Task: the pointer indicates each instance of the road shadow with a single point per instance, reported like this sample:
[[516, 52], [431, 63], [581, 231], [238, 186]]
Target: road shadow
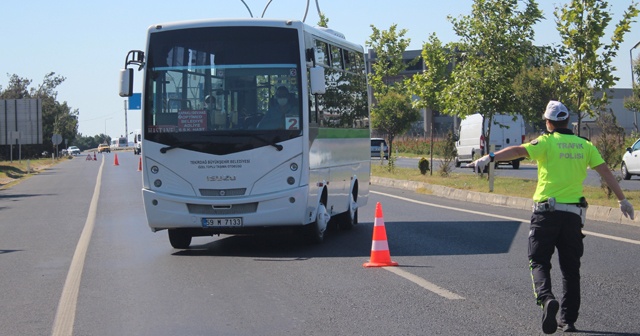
[[9, 251], [5, 196], [404, 239], [11, 171]]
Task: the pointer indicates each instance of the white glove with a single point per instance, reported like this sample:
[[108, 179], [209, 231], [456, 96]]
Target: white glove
[[479, 164], [626, 208]]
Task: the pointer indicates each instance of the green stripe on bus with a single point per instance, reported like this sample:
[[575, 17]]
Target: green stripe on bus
[[337, 133]]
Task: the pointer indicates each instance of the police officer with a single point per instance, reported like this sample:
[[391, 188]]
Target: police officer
[[559, 210]]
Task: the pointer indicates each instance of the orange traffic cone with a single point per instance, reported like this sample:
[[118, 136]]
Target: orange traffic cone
[[94, 156], [115, 160], [140, 164], [380, 256]]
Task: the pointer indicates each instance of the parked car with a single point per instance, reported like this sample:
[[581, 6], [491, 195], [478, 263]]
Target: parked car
[[631, 161], [104, 148], [73, 150], [378, 144]]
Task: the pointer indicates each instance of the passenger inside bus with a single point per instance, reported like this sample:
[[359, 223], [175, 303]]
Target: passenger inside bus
[[283, 105]]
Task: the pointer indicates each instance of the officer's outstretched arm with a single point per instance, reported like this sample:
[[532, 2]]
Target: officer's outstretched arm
[[506, 154], [610, 180]]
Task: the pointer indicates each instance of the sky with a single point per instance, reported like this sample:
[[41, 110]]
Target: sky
[[87, 41]]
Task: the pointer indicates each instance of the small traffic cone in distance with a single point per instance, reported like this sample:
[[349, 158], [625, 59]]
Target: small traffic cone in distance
[[140, 164], [94, 156], [380, 256], [115, 160]]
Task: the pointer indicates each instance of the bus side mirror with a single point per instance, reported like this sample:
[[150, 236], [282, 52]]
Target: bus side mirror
[[126, 83], [316, 75]]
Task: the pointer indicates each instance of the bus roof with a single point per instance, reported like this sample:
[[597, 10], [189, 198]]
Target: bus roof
[[325, 33]]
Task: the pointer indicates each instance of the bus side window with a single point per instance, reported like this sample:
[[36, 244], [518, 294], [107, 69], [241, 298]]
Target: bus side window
[[336, 58], [322, 53]]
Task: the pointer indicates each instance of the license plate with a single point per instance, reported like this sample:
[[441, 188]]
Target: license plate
[[222, 222]]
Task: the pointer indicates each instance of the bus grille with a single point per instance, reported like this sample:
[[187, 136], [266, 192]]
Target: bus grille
[[223, 192], [235, 209]]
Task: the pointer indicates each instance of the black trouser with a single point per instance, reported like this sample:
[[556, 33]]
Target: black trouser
[[562, 230]]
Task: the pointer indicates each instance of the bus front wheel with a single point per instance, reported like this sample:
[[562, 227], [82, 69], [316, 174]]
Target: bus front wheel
[[315, 230], [179, 239]]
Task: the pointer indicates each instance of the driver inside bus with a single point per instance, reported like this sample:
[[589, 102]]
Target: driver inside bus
[[214, 117], [284, 106]]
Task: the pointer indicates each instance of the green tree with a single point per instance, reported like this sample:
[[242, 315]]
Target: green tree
[[497, 40], [323, 21], [393, 114], [586, 60], [389, 46], [533, 88], [393, 117], [633, 102], [609, 143], [429, 85]]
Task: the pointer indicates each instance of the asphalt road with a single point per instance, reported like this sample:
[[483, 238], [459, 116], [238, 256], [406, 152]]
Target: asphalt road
[[463, 268], [526, 171]]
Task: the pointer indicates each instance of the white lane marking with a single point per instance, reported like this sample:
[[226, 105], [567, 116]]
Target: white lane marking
[[66, 313], [443, 292], [425, 284], [620, 239]]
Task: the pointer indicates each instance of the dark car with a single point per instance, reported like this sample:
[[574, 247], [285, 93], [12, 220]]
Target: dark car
[[377, 145]]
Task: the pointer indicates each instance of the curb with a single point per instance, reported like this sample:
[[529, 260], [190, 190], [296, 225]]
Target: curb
[[595, 212]]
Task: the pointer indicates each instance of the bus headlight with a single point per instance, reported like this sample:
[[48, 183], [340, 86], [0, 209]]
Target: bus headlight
[[155, 169], [291, 180], [293, 166], [157, 183]]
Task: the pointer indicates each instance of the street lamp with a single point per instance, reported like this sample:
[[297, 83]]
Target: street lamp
[[633, 84]]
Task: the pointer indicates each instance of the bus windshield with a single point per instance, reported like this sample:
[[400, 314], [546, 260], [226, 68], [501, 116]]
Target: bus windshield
[[238, 87]]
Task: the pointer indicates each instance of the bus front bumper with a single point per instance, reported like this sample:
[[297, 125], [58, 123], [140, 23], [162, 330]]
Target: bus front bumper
[[230, 214]]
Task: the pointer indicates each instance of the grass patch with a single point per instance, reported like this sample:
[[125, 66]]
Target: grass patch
[[13, 172], [503, 185]]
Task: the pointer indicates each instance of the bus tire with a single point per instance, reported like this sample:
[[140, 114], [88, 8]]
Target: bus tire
[[349, 218], [179, 239], [315, 231]]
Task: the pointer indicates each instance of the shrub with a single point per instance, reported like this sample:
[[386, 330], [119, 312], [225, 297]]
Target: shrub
[[423, 165]]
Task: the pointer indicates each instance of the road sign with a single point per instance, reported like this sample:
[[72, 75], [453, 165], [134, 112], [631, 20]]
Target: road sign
[[135, 101], [56, 139]]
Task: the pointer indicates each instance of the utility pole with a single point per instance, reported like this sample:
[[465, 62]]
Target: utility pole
[[633, 85], [126, 129]]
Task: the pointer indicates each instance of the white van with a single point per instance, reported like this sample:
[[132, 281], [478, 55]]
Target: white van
[[137, 140], [505, 132]]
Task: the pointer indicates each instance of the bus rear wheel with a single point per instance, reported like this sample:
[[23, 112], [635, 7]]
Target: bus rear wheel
[[179, 239], [349, 219]]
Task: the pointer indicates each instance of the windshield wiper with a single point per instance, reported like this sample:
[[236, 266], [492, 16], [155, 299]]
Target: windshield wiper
[[168, 148], [270, 143], [277, 146]]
